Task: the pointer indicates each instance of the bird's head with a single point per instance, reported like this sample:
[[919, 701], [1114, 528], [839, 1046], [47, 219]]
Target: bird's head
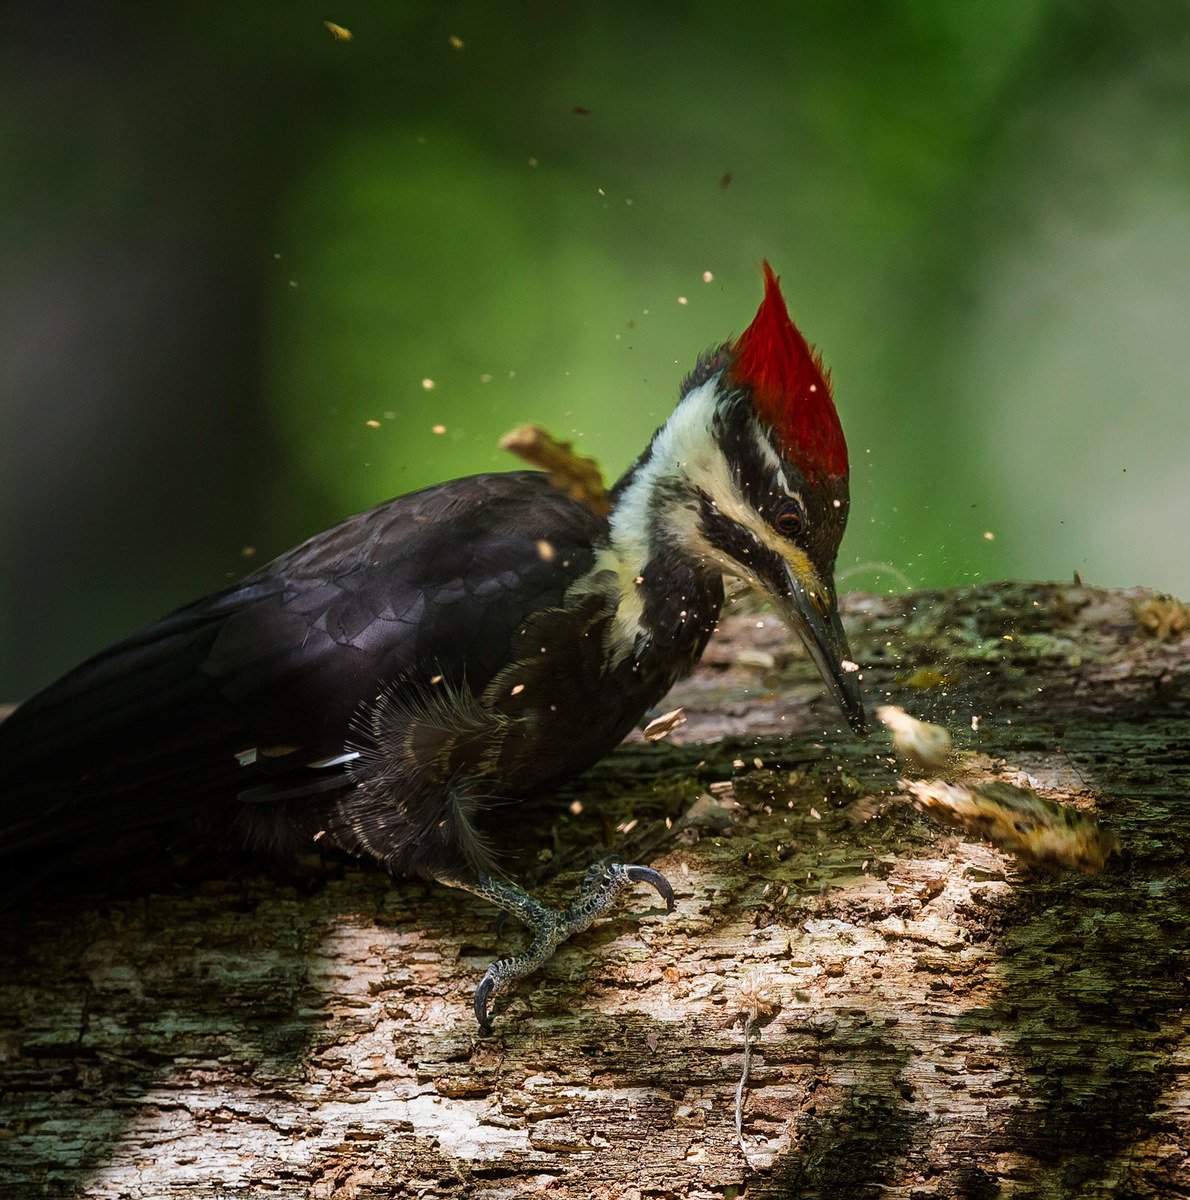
[[749, 476]]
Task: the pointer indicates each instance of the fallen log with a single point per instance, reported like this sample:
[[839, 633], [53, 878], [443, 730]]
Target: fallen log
[[928, 1015]]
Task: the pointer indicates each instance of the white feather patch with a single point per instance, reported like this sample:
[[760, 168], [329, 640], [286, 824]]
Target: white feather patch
[[687, 453]]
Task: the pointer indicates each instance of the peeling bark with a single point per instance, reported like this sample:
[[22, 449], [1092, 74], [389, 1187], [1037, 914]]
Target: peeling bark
[[950, 1022]]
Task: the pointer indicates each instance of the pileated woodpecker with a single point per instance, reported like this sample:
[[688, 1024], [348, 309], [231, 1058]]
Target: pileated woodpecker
[[389, 680]]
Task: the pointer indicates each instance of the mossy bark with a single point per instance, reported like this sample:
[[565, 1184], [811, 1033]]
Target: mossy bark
[[948, 1023]]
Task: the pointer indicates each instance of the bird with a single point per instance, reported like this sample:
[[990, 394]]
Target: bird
[[392, 683]]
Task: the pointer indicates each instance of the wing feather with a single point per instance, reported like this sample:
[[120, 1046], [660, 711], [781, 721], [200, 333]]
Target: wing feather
[[157, 726]]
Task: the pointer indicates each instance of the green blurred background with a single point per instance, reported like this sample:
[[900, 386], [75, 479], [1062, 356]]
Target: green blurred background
[[229, 241]]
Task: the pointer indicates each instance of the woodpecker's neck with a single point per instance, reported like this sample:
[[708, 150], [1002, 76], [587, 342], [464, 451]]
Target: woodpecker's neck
[[657, 569]]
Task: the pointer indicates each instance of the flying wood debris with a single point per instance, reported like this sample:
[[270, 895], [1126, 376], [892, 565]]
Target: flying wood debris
[[1163, 617], [1018, 820], [575, 474], [656, 729], [917, 743]]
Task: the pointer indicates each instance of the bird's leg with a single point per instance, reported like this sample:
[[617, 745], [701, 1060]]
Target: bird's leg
[[604, 881]]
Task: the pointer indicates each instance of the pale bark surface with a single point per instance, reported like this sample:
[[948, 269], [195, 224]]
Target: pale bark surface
[[950, 1023]]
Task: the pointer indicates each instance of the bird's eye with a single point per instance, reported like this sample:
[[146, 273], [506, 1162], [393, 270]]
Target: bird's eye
[[790, 520]]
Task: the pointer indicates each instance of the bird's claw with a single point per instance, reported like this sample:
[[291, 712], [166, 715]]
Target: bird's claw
[[655, 880], [482, 992], [602, 883]]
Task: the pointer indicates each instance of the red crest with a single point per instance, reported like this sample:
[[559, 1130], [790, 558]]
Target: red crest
[[791, 390]]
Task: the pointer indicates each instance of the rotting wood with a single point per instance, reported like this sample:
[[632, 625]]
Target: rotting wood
[[951, 1023]]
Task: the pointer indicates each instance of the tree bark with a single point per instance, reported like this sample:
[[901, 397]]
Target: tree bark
[[931, 1017]]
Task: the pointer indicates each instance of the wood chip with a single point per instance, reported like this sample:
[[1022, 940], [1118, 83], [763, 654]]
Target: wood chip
[[578, 476], [1163, 617], [1018, 820], [665, 724], [917, 743]]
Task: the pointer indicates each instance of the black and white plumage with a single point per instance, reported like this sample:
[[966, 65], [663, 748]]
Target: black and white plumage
[[482, 640], [272, 689]]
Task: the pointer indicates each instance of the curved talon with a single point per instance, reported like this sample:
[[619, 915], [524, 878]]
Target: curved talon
[[550, 927], [656, 880], [482, 992]]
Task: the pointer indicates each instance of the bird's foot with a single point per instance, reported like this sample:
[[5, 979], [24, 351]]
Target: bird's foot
[[604, 881]]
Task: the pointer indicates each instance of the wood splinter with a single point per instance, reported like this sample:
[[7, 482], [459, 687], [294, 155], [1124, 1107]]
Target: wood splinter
[[578, 476], [1049, 835]]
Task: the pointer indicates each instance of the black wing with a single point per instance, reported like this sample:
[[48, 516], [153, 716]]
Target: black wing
[[249, 692]]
